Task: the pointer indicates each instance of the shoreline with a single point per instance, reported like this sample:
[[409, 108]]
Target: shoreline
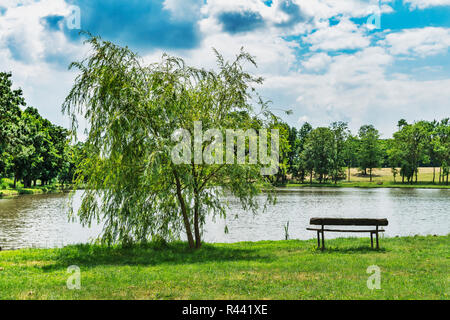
[[238, 243], [366, 185], [12, 193]]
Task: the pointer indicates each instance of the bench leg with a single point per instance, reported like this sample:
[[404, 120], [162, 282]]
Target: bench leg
[[318, 239], [371, 239], [378, 244], [323, 240]]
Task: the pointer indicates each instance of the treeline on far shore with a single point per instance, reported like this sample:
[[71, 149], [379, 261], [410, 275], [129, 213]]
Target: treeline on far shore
[[33, 151], [327, 153]]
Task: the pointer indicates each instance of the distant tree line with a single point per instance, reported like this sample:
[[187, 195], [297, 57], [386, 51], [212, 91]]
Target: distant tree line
[[32, 149], [325, 153]]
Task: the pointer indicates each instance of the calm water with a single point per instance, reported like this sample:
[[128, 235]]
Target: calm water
[[41, 221]]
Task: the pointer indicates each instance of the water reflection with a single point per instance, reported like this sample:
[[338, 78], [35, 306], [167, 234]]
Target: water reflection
[[41, 221]]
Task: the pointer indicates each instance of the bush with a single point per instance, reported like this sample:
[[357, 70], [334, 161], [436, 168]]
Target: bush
[[6, 183]]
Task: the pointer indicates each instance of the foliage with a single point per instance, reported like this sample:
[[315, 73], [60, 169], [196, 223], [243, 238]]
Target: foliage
[[133, 110], [370, 150], [319, 149], [31, 147], [10, 103], [297, 139], [340, 149]]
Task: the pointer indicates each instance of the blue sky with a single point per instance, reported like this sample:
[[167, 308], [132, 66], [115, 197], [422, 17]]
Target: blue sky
[[320, 58]]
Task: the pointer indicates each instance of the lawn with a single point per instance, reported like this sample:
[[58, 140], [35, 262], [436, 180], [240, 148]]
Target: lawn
[[411, 268], [382, 178], [7, 190]]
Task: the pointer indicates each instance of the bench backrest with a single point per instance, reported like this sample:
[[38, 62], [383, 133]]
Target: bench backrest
[[348, 222]]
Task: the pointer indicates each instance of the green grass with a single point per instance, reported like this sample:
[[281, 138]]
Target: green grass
[[411, 268], [343, 184], [382, 178], [7, 190]]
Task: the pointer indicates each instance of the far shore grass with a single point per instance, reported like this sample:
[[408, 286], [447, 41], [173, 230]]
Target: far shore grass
[[381, 178], [6, 193], [368, 185], [411, 268], [7, 190]]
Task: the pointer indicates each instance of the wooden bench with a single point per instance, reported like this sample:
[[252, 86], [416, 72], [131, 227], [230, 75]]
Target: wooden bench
[[322, 222]]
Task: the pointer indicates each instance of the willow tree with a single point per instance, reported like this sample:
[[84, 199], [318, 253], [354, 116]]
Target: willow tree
[[133, 111]]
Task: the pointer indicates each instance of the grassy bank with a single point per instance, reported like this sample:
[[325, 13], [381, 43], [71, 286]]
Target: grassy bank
[[7, 190], [382, 178], [411, 268], [33, 190], [420, 185]]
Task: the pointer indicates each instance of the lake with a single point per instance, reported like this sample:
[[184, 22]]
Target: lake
[[41, 220]]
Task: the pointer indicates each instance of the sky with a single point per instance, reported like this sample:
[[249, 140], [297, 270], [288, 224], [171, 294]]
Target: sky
[[359, 61]]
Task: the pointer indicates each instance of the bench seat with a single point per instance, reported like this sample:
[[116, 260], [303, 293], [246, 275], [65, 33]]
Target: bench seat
[[335, 230]]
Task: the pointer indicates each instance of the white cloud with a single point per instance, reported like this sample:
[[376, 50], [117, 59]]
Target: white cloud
[[325, 9], [344, 35], [317, 62], [419, 42], [303, 119], [422, 4], [357, 89], [27, 49]]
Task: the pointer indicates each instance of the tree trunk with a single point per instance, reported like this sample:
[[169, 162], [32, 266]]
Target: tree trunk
[[15, 182], [370, 173], [187, 224], [434, 173], [348, 174], [310, 178], [198, 240]]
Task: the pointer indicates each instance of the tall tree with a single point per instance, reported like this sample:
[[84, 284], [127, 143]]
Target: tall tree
[[370, 152], [432, 140], [319, 151], [10, 102], [395, 156], [411, 141], [302, 163], [340, 133], [297, 140], [133, 110], [350, 153], [441, 145]]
